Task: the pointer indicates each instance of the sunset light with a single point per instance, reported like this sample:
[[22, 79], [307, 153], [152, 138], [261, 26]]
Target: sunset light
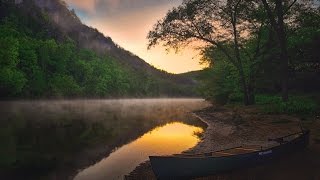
[[128, 22]]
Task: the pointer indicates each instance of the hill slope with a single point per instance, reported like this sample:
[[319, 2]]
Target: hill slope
[[91, 38], [54, 54]]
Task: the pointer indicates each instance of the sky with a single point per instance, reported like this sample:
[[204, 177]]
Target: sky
[[128, 22]]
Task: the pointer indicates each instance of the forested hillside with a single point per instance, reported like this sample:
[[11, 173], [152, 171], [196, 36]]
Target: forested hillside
[[45, 51]]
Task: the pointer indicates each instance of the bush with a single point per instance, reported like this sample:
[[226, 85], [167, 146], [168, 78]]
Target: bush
[[295, 105], [221, 98], [219, 82], [236, 97]]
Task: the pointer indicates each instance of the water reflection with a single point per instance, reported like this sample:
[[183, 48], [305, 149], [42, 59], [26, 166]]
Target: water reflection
[[168, 139]]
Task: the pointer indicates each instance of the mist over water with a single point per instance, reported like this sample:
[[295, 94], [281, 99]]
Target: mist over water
[[117, 124], [100, 110]]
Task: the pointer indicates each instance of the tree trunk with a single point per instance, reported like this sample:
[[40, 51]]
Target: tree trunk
[[279, 28], [284, 71], [284, 52], [244, 88], [239, 65], [251, 86]]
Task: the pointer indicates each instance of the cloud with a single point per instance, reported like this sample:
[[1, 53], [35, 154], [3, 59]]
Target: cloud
[[111, 7], [130, 25]]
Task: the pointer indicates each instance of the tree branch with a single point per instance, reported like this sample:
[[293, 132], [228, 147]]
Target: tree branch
[[289, 7], [270, 15], [219, 46], [201, 37]]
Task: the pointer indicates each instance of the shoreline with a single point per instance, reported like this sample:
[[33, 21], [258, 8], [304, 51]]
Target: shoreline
[[230, 127]]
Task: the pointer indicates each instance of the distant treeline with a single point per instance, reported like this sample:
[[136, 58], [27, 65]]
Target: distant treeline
[[35, 63]]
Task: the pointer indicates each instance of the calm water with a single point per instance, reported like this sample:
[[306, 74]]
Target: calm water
[[165, 140], [126, 119]]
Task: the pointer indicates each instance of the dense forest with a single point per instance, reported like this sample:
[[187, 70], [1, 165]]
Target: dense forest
[[257, 51], [38, 59]]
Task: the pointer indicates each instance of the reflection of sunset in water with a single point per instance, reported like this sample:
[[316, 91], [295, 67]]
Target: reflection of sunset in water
[[169, 139]]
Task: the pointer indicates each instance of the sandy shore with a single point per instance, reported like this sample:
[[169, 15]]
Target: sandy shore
[[230, 127]]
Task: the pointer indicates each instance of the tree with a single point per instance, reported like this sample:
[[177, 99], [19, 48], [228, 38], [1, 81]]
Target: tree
[[279, 15], [224, 25], [63, 86], [12, 80], [219, 83], [303, 47]]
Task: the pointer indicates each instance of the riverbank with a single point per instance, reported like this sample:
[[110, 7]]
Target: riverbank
[[229, 127]]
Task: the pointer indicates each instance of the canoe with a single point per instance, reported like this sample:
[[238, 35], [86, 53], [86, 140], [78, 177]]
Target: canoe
[[184, 166]]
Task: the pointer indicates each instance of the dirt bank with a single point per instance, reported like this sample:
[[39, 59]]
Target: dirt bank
[[229, 127]]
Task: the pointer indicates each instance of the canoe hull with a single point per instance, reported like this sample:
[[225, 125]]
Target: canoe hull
[[168, 167]]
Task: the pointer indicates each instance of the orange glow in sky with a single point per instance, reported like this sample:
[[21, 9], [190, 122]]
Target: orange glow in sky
[[128, 22]]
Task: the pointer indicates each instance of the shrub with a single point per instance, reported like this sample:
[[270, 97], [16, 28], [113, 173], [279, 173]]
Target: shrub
[[236, 97], [295, 105]]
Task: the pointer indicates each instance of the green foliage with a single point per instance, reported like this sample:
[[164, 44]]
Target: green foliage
[[236, 97], [63, 86], [264, 71], [35, 63], [295, 105], [12, 81], [219, 82], [8, 51]]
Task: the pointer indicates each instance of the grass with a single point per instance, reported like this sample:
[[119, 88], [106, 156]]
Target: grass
[[302, 105], [298, 105]]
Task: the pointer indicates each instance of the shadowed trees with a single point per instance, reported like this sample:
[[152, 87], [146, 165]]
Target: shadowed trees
[[224, 25], [276, 12], [245, 34]]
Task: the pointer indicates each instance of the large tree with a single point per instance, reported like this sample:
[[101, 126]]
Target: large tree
[[281, 14], [223, 25]]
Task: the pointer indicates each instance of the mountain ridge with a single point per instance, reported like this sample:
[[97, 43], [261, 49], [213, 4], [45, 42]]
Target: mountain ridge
[[47, 28], [90, 38]]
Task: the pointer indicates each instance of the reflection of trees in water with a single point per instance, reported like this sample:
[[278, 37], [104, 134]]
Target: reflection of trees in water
[[44, 133]]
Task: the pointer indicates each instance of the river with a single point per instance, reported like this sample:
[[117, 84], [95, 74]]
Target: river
[[169, 139], [138, 128]]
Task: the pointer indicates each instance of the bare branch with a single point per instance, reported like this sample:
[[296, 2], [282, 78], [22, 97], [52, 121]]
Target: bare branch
[[289, 7], [270, 14]]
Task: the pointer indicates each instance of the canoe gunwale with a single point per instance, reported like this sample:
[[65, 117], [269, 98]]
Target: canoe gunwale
[[254, 157], [258, 151]]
